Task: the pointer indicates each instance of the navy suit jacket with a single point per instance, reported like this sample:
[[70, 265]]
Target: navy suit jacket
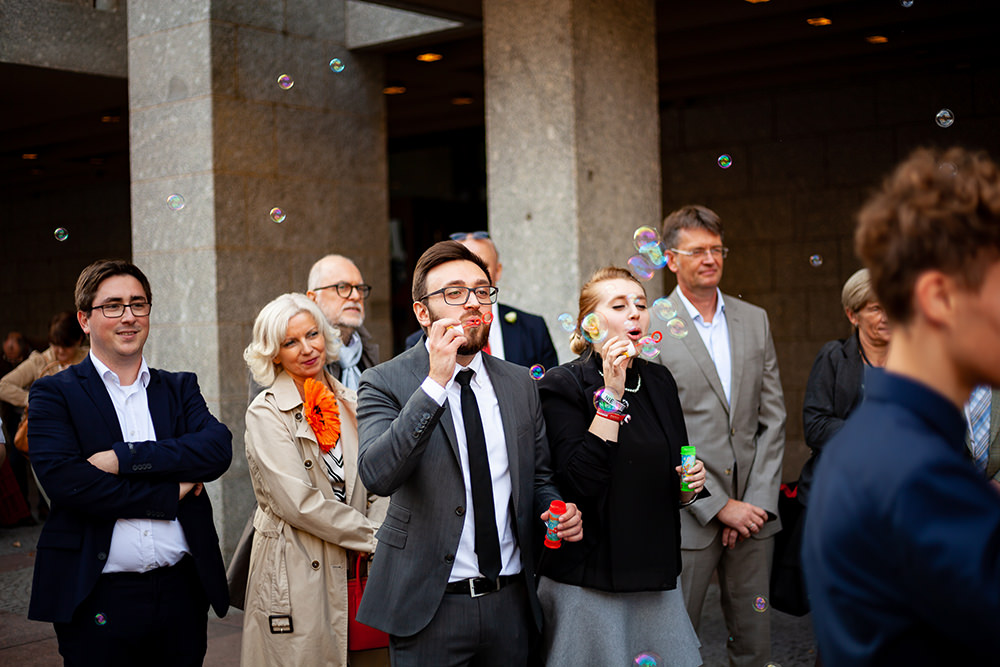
[[526, 340], [72, 417]]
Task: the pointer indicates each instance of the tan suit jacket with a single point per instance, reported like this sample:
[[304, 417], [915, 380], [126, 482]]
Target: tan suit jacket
[[742, 443]]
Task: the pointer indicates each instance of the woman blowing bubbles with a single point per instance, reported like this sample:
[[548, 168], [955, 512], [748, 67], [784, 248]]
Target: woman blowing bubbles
[[313, 511], [621, 465]]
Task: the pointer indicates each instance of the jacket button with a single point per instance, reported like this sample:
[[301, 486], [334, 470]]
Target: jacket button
[[102, 556], [729, 471], [308, 464], [732, 431], [298, 416], [459, 510], [315, 564], [450, 558]]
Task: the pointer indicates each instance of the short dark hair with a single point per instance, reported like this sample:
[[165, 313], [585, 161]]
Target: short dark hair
[[95, 274], [65, 330], [692, 216], [437, 254], [940, 209]]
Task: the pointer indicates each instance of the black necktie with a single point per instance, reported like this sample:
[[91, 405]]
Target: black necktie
[[487, 541]]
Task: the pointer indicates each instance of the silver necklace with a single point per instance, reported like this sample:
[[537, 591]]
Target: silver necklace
[[631, 391]]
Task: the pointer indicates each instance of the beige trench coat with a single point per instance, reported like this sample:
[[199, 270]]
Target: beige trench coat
[[298, 566]]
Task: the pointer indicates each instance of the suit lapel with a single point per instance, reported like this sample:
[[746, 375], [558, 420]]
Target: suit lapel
[[509, 417], [737, 348], [93, 386], [696, 347], [159, 405], [419, 366]]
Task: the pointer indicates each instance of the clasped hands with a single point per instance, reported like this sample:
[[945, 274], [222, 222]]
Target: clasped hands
[[740, 520], [108, 462]]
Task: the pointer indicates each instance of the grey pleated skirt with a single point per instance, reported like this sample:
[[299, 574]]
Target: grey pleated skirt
[[584, 626]]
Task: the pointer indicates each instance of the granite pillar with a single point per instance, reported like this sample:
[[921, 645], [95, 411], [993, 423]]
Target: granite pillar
[[572, 130], [209, 122]]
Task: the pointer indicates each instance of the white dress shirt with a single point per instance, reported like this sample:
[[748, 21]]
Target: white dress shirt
[[138, 545], [715, 335], [496, 334], [466, 565]]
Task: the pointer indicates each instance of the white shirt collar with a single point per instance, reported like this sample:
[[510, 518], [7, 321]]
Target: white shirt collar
[[720, 306], [108, 374]]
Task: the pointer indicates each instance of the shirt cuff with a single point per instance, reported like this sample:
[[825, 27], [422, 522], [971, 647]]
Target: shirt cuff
[[437, 393]]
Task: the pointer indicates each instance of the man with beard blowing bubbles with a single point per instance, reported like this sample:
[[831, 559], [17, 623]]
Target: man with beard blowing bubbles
[[457, 439]]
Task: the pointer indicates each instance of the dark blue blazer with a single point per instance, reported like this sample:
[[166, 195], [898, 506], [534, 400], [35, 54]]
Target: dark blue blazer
[[72, 417], [526, 340]]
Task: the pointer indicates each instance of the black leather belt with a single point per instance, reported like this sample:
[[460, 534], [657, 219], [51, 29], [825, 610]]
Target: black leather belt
[[480, 586]]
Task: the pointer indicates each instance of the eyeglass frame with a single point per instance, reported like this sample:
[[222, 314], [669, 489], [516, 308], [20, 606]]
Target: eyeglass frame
[[720, 250], [464, 236], [468, 292], [104, 309], [364, 289]]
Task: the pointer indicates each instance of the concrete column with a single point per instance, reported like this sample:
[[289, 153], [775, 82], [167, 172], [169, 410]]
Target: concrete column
[[209, 122], [572, 130]]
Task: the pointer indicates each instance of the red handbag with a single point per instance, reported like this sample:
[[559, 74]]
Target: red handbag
[[361, 637]]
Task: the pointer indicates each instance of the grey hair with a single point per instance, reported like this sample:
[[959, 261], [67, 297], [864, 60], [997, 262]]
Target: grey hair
[[316, 272], [269, 331], [857, 291]]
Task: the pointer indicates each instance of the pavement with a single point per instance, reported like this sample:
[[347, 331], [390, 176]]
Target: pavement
[[32, 644]]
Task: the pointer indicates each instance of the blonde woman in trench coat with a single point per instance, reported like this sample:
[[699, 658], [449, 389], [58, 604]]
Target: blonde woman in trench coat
[[303, 532]]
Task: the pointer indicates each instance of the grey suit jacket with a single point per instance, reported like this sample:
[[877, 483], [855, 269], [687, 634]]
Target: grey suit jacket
[[409, 452], [742, 444]]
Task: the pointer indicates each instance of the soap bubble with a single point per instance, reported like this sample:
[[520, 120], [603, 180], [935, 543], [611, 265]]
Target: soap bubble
[[487, 317], [285, 82], [944, 118], [653, 253], [604, 399], [677, 328], [906, 3], [816, 260], [760, 604], [647, 659], [641, 267], [948, 168], [594, 327], [648, 348], [644, 236], [277, 214], [537, 371], [725, 161], [61, 234], [664, 309], [337, 65], [175, 202], [567, 322], [100, 619]]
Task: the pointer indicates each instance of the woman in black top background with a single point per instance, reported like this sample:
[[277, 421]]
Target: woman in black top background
[[620, 583]]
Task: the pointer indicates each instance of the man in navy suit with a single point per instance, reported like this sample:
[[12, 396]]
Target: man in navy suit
[[128, 561], [521, 338]]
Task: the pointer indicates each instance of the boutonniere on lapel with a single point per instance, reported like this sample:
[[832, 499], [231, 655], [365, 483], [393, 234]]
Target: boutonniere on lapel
[[322, 413], [511, 317]]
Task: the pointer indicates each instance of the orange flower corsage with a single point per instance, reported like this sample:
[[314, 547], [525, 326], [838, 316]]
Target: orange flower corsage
[[322, 413]]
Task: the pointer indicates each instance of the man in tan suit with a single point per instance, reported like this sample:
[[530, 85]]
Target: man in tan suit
[[723, 359]]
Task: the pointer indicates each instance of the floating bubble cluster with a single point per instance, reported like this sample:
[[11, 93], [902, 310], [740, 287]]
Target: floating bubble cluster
[[175, 202], [567, 322], [725, 161], [594, 327], [816, 260], [277, 214], [651, 255], [537, 371], [61, 234], [285, 82], [944, 118]]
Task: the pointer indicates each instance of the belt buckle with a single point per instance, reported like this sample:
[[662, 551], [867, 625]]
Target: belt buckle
[[474, 592]]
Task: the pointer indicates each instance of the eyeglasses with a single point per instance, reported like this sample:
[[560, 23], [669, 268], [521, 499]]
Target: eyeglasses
[[462, 236], [344, 290], [458, 295], [717, 250], [116, 310]]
